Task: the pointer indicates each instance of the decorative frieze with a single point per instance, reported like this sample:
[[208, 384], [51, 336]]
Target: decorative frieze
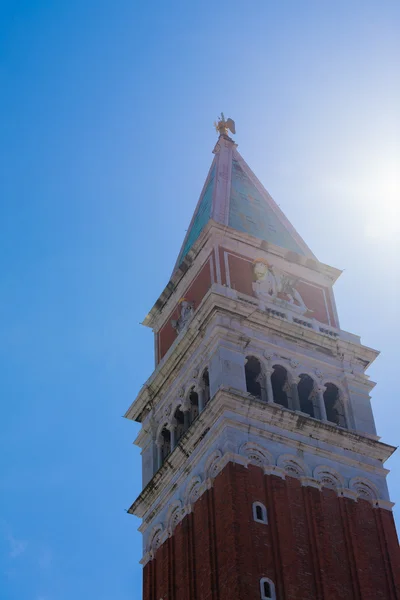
[[252, 453]]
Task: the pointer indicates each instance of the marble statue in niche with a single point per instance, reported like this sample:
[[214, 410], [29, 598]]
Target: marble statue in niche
[[271, 285], [186, 313]]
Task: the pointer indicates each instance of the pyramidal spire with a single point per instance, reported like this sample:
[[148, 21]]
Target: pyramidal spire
[[234, 197]]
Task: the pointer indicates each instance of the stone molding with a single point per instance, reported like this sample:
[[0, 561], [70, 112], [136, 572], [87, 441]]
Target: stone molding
[[327, 431], [286, 465], [221, 423], [329, 477]]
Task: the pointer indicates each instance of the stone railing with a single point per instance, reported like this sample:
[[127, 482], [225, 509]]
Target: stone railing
[[284, 311]]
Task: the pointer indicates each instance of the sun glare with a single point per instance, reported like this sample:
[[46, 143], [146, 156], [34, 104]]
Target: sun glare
[[382, 216]]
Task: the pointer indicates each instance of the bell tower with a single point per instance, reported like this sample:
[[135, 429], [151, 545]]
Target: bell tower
[[263, 475]]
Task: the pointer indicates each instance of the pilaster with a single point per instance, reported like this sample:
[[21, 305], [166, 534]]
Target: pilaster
[[227, 369]]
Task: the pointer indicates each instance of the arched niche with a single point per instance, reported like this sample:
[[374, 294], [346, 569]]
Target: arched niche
[[280, 385], [334, 405], [253, 373]]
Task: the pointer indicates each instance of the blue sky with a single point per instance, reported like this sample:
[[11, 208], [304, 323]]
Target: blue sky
[[106, 112]]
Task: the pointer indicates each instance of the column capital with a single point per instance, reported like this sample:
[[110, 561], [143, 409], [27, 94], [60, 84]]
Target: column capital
[[260, 379]]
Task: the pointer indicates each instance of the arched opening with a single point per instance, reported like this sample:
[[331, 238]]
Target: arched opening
[[267, 589], [334, 406], [166, 444], [180, 424], [194, 405], [253, 376], [305, 389], [206, 384], [259, 512], [280, 385]]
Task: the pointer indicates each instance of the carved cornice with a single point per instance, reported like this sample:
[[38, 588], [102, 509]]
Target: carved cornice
[[228, 409], [158, 525]]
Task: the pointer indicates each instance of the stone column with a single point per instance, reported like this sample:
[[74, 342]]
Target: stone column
[[268, 385], [320, 391], [172, 430], [186, 418], [159, 453], [155, 456], [201, 395], [261, 381], [295, 393], [344, 422], [315, 402], [150, 428]]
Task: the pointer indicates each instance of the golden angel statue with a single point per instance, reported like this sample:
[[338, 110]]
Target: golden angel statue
[[223, 126]]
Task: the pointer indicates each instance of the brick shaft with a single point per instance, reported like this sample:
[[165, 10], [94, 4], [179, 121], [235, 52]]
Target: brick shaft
[[316, 545]]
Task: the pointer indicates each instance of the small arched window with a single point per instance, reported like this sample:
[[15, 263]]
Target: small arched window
[[166, 443], [206, 383], [305, 388], [334, 405], [253, 374], [259, 513], [280, 385], [267, 589]]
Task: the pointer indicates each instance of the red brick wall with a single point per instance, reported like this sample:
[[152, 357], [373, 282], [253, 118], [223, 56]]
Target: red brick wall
[[316, 545], [195, 293]]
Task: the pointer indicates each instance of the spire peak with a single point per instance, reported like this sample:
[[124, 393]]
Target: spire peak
[[233, 196], [222, 126]]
